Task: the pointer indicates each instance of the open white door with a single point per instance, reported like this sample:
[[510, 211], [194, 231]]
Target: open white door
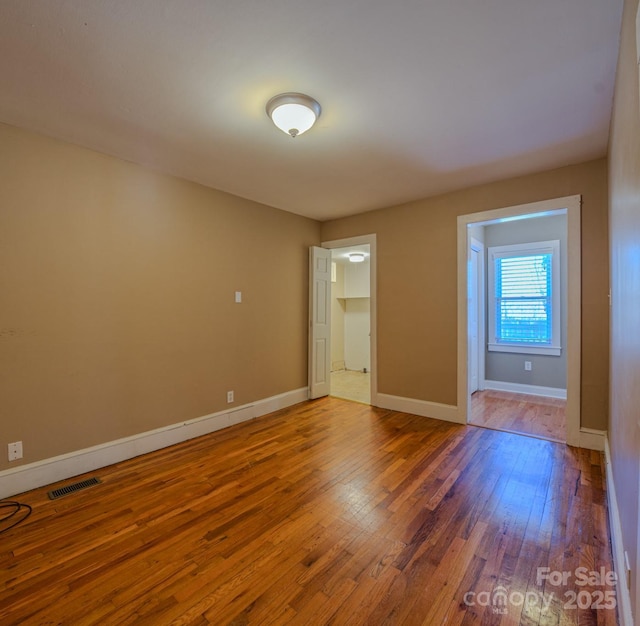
[[474, 337], [475, 314], [319, 322]]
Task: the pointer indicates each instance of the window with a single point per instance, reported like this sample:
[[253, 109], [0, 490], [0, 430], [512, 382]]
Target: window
[[524, 298]]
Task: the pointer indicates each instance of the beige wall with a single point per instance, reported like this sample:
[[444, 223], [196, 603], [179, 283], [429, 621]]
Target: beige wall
[[417, 306], [117, 287], [624, 206]]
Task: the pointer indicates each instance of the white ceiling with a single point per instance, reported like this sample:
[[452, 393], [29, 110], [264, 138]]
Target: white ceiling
[[418, 97]]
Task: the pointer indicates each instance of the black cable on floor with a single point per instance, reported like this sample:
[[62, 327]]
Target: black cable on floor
[[17, 508]]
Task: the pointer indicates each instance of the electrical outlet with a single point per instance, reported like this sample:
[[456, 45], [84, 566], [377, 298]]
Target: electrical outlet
[[15, 450], [527, 366], [229, 397]]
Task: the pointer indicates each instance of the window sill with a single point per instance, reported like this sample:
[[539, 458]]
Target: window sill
[[520, 349]]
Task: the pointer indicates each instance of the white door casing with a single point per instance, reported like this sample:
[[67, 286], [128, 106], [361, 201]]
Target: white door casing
[[319, 322], [570, 205]]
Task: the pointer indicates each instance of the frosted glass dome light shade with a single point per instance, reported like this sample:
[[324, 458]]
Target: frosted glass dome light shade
[[293, 113], [356, 257]]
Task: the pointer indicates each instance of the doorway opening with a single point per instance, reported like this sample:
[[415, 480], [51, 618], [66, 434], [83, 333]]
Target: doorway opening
[[353, 318], [517, 381], [351, 323], [519, 349]]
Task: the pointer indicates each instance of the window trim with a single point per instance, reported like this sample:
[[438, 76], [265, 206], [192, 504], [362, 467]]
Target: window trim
[[523, 249]]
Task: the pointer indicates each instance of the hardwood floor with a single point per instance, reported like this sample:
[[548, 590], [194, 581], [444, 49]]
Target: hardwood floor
[[329, 512], [520, 413]]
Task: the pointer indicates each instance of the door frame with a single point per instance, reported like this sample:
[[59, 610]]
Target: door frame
[[373, 342], [572, 206]]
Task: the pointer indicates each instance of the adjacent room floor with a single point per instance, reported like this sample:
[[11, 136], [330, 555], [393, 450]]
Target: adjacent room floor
[[351, 385], [519, 413], [325, 512]]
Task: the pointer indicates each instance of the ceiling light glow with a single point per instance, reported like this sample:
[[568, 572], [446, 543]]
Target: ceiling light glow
[[293, 113]]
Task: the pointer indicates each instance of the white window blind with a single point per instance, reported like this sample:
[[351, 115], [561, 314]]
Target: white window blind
[[524, 294]]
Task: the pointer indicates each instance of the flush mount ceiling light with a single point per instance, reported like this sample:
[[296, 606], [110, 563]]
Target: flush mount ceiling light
[[356, 257], [293, 113]]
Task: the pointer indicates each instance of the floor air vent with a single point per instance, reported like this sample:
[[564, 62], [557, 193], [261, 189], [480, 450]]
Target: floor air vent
[[63, 491]]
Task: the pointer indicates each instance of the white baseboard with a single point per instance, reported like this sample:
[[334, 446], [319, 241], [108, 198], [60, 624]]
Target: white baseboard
[[446, 412], [34, 475], [622, 591], [592, 439], [532, 390]]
